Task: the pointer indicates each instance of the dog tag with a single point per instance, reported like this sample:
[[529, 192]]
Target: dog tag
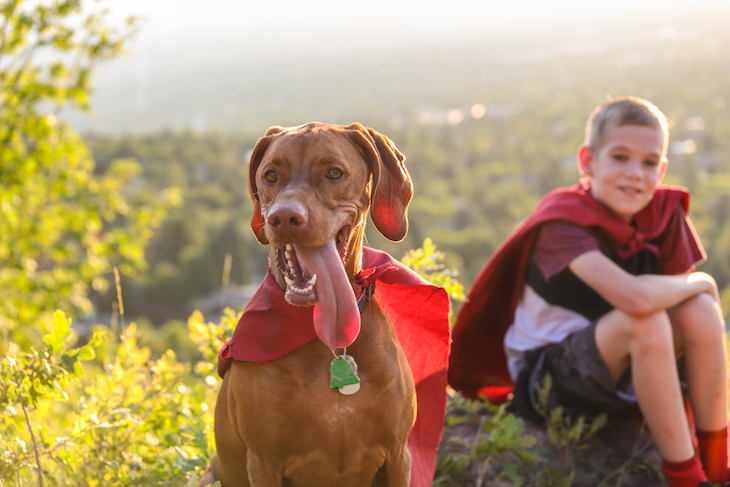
[[343, 375]]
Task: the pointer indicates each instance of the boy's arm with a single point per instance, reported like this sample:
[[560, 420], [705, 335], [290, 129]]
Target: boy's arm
[[642, 294]]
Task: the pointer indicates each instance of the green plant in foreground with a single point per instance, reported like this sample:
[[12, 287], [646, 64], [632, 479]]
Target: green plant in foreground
[[125, 420], [428, 263], [27, 382], [567, 432], [500, 436], [194, 479]]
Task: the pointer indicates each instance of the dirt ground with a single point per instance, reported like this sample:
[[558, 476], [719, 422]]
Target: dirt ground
[[622, 454]]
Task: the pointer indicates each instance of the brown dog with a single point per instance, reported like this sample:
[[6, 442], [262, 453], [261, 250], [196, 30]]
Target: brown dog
[[280, 422]]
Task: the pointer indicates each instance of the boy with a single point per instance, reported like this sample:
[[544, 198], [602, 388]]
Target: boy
[[597, 290]]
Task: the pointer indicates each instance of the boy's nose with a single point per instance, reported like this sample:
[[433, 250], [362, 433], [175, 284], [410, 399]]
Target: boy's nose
[[633, 169]]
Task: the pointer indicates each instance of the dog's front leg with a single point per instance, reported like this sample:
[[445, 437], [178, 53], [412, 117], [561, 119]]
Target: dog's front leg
[[396, 471], [259, 475]]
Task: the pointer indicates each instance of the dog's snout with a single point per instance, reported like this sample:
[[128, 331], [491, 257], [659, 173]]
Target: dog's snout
[[287, 219]]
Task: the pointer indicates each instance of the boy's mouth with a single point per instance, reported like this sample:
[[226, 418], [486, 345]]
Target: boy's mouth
[[628, 190]]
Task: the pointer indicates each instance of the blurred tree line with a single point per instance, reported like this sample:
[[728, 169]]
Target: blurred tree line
[[475, 181], [488, 124], [187, 253]]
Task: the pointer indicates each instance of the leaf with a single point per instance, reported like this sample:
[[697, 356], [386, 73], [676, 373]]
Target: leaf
[[69, 361], [86, 352], [61, 330]]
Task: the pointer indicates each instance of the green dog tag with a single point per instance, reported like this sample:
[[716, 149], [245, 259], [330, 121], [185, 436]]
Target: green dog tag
[[343, 374]]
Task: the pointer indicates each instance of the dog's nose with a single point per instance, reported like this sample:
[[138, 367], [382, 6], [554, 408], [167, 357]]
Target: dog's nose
[[289, 218]]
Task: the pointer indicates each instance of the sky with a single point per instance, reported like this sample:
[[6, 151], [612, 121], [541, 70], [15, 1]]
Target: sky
[[179, 41], [178, 20]]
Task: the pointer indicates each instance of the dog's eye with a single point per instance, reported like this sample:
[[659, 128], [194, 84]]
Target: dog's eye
[[271, 177], [334, 174]]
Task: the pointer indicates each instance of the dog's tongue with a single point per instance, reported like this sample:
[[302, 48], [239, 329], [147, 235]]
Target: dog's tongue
[[336, 315]]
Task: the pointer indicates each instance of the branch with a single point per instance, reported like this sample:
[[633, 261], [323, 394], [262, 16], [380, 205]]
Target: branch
[[35, 446], [21, 69], [3, 29]]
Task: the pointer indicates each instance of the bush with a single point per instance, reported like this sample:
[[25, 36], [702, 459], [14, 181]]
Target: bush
[[127, 420]]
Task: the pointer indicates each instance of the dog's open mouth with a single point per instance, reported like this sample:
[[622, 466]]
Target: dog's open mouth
[[301, 281], [316, 276]]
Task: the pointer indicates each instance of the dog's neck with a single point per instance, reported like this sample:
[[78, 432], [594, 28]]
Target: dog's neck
[[353, 262]]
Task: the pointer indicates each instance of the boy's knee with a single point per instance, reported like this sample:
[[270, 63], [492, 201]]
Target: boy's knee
[[700, 303], [653, 329], [699, 317]]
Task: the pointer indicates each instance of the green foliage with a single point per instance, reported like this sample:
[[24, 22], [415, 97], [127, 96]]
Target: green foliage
[[194, 479], [485, 441], [32, 379], [566, 431], [128, 420], [62, 227], [500, 436], [427, 262]]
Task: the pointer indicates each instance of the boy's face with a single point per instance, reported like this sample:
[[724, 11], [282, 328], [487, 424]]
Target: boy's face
[[625, 172]]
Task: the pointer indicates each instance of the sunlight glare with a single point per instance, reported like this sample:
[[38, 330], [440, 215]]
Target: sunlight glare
[[478, 111]]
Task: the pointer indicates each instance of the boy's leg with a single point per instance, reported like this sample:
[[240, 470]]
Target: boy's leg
[[647, 344], [700, 335]]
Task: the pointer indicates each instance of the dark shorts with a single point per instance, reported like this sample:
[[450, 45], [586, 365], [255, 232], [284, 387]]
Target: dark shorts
[[579, 380]]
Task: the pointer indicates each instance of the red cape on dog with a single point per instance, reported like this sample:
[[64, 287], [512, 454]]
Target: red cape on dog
[[270, 328]]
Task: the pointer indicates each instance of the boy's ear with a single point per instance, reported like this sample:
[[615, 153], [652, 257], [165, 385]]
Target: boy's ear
[[663, 169], [585, 160]]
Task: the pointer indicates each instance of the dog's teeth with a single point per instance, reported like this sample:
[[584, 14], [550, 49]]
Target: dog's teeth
[[289, 247], [313, 280], [288, 255], [308, 288], [289, 263], [289, 281]]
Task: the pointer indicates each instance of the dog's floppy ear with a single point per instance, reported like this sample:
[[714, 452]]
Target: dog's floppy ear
[[392, 187], [257, 219]]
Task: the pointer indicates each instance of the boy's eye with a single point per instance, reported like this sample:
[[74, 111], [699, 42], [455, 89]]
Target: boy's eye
[[271, 177], [651, 162], [619, 157], [334, 174]]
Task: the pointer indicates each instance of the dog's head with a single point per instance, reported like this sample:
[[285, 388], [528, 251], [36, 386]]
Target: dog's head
[[311, 188], [332, 147]]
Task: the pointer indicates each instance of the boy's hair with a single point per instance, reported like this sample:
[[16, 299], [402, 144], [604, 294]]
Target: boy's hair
[[627, 110]]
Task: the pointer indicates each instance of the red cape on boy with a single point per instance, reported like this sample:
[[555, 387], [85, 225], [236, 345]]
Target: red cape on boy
[[270, 328], [478, 365]]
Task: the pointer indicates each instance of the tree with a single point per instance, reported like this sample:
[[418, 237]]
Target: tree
[[62, 228]]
